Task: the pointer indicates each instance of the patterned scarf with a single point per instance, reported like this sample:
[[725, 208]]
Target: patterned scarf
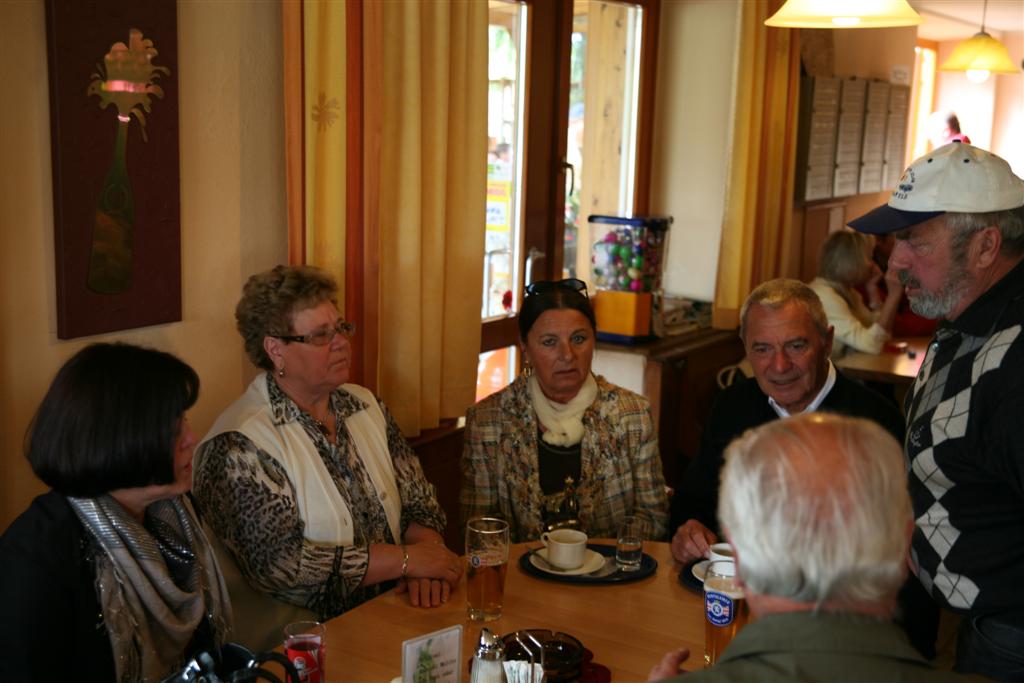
[[563, 421], [156, 583]]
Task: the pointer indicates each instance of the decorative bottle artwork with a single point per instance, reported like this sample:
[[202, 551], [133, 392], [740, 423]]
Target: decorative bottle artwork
[[125, 80]]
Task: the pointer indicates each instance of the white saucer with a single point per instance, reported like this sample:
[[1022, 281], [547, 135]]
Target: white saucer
[[700, 569], [592, 561]]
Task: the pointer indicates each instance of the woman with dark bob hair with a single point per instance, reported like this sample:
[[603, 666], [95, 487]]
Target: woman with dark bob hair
[[109, 575], [318, 500], [560, 446]]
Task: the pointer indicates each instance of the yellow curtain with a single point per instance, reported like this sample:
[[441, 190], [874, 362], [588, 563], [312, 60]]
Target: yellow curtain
[[325, 93], [425, 66], [757, 232], [294, 130], [315, 119]]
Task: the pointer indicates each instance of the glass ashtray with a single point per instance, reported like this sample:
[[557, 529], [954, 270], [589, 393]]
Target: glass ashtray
[[563, 654]]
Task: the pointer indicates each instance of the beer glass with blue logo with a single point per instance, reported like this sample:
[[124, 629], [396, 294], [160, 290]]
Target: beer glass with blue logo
[[486, 566], [725, 609]]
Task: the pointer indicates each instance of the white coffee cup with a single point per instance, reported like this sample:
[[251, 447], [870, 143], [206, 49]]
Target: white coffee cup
[[722, 551], [566, 548]]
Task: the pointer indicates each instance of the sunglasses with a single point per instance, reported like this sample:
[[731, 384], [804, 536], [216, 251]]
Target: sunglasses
[[571, 284]]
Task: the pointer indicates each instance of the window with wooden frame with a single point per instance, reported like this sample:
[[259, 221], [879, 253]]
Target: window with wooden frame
[[570, 113], [922, 98]]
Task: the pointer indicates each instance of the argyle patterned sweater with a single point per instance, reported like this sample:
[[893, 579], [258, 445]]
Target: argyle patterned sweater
[[965, 450]]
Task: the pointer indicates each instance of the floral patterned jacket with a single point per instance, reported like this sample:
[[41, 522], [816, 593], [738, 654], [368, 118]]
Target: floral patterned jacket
[[620, 469]]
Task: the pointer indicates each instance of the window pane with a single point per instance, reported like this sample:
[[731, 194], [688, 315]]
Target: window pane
[[506, 45], [922, 99], [495, 371], [604, 93]]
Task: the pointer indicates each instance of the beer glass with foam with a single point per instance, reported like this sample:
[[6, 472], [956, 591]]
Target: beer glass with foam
[[487, 564], [725, 609]]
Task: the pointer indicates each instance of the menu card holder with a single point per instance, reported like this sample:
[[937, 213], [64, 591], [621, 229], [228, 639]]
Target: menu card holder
[[436, 656]]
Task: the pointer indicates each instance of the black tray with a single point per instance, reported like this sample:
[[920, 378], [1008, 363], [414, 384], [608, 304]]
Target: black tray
[[648, 565], [690, 581]]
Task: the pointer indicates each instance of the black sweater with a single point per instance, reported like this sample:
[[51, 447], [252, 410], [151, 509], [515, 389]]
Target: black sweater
[[52, 628], [744, 406]]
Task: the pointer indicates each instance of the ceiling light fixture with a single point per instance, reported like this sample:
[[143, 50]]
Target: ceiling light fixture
[[844, 14], [980, 55]]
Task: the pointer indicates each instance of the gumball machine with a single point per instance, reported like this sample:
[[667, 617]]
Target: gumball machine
[[627, 257]]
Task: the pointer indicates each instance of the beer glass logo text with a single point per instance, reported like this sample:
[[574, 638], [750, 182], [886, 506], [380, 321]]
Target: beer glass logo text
[[487, 559], [719, 608]]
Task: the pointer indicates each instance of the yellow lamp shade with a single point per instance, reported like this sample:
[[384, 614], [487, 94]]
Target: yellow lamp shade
[[980, 53], [844, 14]]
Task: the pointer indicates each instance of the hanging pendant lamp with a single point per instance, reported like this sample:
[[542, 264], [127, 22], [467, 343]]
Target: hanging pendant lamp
[[844, 14], [980, 55]]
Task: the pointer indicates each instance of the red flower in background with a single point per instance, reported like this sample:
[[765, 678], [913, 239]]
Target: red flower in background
[[506, 300]]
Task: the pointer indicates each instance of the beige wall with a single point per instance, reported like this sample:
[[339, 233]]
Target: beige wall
[[873, 52], [1008, 122], [973, 103], [696, 67], [692, 129], [232, 210], [990, 113]]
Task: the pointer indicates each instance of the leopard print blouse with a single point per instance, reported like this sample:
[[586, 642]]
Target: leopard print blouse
[[247, 499]]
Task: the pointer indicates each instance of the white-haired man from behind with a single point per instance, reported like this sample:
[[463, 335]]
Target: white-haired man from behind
[[817, 510]]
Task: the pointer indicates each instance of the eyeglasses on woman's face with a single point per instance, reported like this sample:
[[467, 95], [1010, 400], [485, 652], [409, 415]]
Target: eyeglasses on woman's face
[[545, 286], [321, 337]]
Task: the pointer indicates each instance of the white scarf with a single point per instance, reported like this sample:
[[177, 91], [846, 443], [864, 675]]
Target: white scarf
[[563, 421]]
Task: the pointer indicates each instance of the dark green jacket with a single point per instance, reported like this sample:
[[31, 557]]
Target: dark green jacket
[[803, 647]]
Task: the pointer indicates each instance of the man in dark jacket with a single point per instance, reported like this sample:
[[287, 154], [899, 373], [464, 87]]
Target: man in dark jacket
[[788, 340]]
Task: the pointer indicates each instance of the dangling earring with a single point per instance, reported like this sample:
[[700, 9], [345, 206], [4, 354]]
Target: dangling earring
[[280, 372], [527, 368]]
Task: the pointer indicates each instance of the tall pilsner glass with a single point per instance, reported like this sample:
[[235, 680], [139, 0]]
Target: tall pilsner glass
[[725, 609], [487, 564]]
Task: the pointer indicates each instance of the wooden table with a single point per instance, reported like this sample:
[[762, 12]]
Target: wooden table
[[890, 366], [628, 626]]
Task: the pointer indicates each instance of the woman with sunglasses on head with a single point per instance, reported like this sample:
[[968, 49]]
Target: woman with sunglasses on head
[[560, 446], [315, 495]]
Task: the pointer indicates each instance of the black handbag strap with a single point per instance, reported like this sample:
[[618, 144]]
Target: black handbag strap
[[291, 674], [244, 665]]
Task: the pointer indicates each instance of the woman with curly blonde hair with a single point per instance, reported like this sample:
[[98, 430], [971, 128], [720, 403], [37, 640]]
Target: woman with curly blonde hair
[[315, 495]]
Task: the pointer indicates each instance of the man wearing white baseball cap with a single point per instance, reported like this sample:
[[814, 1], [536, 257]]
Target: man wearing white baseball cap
[[958, 218]]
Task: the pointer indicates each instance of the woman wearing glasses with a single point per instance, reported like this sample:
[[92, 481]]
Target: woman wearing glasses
[[306, 480], [560, 446]]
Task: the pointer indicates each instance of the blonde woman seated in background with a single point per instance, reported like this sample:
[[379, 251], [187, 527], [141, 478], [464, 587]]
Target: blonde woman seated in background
[[846, 263], [558, 422]]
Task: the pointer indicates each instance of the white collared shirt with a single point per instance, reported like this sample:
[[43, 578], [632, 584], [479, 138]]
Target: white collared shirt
[[830, 382]]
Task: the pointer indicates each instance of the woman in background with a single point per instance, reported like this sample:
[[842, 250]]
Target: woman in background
[[109, 575], [316, 496], [557, 424], [846, 263], [907, 323]]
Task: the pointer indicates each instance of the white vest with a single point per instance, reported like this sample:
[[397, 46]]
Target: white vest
[[259, 618]]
